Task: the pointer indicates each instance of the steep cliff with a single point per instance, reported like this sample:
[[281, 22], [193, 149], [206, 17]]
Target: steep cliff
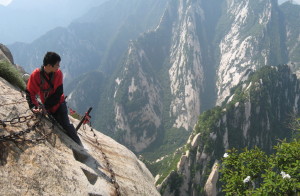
[[256, 114], [38, 158], [183, 64], [292, 25], [251, 36], [163, 78], [200, 50]]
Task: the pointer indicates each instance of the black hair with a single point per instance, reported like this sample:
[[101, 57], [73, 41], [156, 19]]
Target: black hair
[[51, 58]]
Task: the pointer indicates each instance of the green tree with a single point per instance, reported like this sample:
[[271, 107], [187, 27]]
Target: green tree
[[252, 172]]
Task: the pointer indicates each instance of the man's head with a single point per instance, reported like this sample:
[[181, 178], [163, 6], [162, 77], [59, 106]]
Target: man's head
[[51, 62], [51, 58]]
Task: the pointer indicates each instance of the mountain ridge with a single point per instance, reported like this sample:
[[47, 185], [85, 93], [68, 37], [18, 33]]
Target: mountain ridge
[[185, 64], [257, 114]]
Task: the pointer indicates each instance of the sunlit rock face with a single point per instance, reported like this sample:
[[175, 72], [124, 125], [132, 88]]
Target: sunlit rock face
[[199, 56], [45, 161], [248, 42], [164, 77], [256, 113]]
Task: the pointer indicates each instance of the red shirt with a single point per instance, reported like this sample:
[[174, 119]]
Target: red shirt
[[35, 87]]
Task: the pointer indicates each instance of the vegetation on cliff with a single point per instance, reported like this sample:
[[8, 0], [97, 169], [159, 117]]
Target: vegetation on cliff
[[252, 172], [11, 74]]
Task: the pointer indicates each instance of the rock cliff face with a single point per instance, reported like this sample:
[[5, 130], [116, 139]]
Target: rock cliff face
[[182, 65], [6, 54], [141, 100], [199, 56], [247, 41], [256, 114], [39, 159], [146, 103], [292, 24]]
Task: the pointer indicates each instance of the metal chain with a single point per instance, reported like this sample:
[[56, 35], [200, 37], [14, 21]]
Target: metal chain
[[20, 119], [108, 164], [16, 137]]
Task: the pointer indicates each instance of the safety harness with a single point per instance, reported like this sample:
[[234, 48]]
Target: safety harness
[[43, 79]]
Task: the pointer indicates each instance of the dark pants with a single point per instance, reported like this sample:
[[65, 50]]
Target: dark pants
[[61, 116]]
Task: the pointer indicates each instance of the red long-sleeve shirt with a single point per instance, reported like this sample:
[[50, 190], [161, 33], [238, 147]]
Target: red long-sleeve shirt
[[37, 86]]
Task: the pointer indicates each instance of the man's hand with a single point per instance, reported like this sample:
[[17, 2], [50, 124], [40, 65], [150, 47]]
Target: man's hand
[[37, 110], [40, 110]]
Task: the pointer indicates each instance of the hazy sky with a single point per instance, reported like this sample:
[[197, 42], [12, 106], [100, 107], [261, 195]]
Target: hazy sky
[[5, 2], [25, 20]]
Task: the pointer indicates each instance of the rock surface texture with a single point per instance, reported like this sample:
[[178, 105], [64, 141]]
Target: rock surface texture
[[43, 160]]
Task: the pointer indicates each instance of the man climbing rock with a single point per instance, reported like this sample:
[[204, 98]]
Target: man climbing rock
[[47, 82]]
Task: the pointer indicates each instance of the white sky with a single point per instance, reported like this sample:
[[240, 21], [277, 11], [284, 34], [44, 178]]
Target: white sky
[[5, 2]]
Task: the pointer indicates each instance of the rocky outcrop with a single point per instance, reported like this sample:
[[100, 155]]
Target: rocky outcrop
[[6, 54], [39, 159], [210, 187]]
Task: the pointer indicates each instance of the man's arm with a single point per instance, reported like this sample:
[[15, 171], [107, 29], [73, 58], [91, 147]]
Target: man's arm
[[32, 90]]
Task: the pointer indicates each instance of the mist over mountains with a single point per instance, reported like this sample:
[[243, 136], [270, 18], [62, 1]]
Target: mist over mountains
[[96, 40], [200, 49], [150, 69], [209, 40], [26, 20]]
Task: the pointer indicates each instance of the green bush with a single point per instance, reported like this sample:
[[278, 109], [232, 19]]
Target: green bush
[[11, 74], [251, 172]]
